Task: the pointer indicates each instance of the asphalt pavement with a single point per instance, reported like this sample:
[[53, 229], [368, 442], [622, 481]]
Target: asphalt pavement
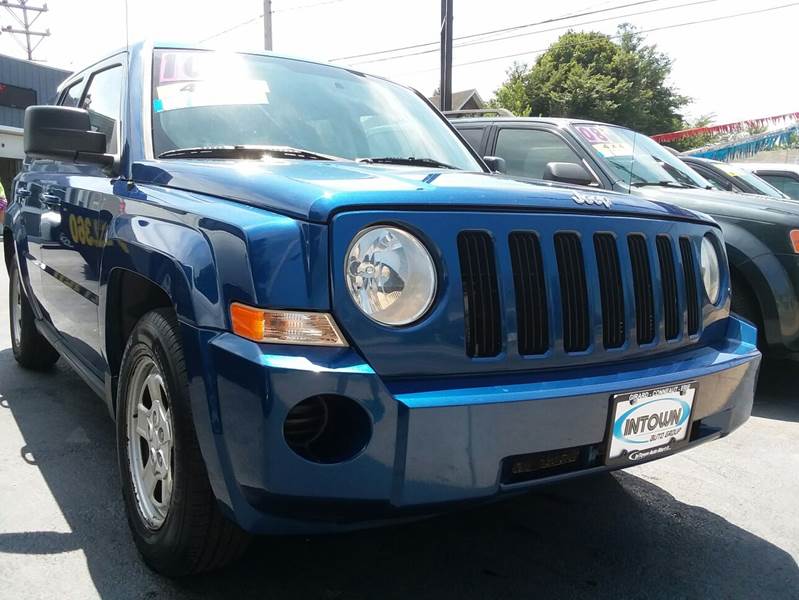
[[719, 521]]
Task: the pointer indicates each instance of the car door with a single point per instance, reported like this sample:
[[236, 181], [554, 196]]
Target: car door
[[40, 223], [80, 198], [528, 149]]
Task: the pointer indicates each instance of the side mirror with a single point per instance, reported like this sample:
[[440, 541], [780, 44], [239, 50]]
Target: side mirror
[[565, 172], [495, 163], [62, 132]]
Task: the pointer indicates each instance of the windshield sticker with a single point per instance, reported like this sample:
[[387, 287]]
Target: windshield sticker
[[187, 94], [190, 79], [731, 171], [604, 140]]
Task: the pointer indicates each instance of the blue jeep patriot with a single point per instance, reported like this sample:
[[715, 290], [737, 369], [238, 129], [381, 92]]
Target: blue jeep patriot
[[309, 306]]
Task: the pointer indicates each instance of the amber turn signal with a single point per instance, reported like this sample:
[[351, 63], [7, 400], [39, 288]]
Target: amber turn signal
[[285, 326], [795, 240]]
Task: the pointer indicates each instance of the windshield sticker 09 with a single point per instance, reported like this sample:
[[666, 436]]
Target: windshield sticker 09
[[190, 79], [604, 140], [188, 94]]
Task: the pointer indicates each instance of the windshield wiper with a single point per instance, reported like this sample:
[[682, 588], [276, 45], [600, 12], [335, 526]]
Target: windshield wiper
[[409, 160], [669, 184], [245, 151]]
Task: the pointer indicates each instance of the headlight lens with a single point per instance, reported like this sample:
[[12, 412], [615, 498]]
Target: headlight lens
[[390, 275], [711, 269]]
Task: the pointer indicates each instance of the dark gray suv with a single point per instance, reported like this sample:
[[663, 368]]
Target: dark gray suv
[[761, 233]]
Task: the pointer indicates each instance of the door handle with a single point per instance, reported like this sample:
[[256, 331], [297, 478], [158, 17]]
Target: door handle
[[50, 200]]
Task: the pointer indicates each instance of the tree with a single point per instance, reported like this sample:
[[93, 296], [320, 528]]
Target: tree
[[700, 140], [591, 76], [513, 93]]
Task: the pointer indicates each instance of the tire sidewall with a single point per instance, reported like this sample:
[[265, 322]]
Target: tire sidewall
[[146, 341], [14, 280]]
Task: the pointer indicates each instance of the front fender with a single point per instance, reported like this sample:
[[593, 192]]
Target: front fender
[[174, 257], [772, 284]]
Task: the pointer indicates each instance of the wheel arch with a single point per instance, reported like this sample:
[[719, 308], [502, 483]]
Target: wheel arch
[[149, 265], [755, 267]]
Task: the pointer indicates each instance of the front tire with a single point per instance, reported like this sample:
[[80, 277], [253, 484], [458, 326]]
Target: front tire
[[31, 349], [172, 512]]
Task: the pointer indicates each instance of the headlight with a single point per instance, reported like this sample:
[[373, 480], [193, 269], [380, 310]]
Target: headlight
[[711, 270], [390, 275]]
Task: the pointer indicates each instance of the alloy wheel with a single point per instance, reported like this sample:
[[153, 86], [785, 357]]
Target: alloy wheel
[[150, 443]]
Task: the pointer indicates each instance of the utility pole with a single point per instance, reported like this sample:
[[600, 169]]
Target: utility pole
[[268, 25], [445, 98], [22, 6]]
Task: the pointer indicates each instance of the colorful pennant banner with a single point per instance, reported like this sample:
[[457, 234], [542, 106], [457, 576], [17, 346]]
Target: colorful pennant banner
[[746, 147], [726, 127]]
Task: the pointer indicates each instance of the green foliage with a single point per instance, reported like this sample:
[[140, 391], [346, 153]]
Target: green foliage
[[591, 76], [698, 141], [513, 93]]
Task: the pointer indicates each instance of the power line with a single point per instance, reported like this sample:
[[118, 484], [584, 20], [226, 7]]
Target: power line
[[25, 24], [502, 30], [539, 31], [261, 16], [304, 6], [662, 28], [591, 22], [233, 28]]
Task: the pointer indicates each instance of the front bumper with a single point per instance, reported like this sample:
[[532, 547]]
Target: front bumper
[[434, 442]]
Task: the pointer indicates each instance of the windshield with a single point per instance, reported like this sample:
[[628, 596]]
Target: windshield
[[637, 159], [205, 98], [761, 185]]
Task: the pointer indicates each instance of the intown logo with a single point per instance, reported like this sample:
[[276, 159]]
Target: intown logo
[[652, 422], [592, 199], [637, 424]]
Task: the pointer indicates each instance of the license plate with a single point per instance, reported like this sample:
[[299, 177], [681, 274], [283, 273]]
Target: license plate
[[649, 423]]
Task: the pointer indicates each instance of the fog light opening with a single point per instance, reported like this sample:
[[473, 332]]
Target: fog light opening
[[327, 429]]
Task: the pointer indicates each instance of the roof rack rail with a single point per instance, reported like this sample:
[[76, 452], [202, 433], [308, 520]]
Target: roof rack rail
[[478, 112]]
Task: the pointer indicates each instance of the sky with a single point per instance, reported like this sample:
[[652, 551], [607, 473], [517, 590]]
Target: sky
[[737, 68]]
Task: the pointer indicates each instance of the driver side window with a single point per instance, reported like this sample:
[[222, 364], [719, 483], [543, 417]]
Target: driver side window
[[716, 181], [527, 151], [103, 100]]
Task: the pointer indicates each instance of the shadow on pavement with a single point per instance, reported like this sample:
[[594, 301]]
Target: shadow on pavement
[[612, 536], [778, 391]]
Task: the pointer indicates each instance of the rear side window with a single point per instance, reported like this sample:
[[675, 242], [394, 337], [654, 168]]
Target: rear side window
[[473, 135], [72, 94], [784, 183], [527, 151], [103, 100], [715, 180]]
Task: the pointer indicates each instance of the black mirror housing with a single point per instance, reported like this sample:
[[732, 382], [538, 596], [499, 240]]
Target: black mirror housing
[[565, 172], [63, 132], [495, 163]]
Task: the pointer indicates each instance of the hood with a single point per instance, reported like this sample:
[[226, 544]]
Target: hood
[[730, 205], [316, 190]]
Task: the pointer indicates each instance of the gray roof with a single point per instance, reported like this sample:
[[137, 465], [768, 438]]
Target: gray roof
[[44, 79], [459, 99]]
